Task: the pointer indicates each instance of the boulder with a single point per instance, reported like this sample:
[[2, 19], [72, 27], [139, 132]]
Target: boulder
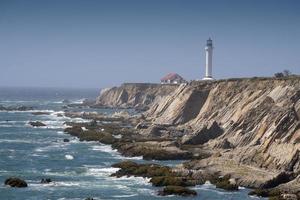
[[37, 124], [41, 113], [66, 140], [225, 182], [159, 181], [15, 182], [177, 190]]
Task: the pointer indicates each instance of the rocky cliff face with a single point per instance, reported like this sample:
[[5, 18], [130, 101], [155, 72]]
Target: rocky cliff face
[[250, 121], [247, 128], [134, 95]]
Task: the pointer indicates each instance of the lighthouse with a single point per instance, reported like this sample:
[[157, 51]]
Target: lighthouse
[[208, 60]]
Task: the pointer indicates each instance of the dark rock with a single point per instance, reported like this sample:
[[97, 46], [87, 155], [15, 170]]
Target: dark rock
[[15, 182], [177, 190], [66, 140], [91, 135], [89, 198], [224, 183], [159, 181], [46, 180], [37, 124], [41, 113], [129, 168], [151, 153], [265, 193]]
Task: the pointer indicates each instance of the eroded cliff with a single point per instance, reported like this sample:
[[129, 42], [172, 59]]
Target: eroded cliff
[[134, 95], [248, 128], [253, 122]]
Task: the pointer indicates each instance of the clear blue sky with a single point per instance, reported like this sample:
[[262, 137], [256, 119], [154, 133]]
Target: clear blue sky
[[100, 43]]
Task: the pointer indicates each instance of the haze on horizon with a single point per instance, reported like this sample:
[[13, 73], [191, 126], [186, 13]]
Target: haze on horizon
[[100, 43]]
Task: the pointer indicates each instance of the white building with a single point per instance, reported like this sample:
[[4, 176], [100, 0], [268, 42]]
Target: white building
[[208, 60]]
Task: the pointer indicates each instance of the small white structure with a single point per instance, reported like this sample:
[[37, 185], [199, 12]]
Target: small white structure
[[208, 60], [172, 78]]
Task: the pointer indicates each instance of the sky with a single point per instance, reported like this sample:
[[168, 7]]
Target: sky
[[103, 43]]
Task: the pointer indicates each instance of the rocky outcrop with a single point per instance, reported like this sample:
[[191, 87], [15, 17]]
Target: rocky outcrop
[[177, 190], [15, 182], [37, 124], [134, 95]]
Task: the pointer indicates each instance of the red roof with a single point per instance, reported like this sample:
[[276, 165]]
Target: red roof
[[171, 77]]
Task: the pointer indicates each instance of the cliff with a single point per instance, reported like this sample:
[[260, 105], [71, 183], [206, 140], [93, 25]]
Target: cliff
[[134, 95], [254, 122], [248, 128]]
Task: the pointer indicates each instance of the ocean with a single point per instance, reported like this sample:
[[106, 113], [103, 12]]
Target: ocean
[[78, 169]]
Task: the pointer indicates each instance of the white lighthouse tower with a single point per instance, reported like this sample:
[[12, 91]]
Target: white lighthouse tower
[[208, 60]]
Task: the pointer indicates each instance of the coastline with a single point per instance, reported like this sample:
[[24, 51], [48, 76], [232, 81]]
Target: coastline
[[243, 128]]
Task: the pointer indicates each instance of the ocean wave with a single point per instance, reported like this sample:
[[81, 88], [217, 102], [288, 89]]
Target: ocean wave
[[124, 195], [103, 148], [56, 184], [26, 111], [11, 122], [136, 180], [100, 171], [113, 152], [78, 101], [17, 141], [53, 146]]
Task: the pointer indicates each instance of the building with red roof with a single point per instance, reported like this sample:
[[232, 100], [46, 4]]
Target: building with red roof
[[172, 78]]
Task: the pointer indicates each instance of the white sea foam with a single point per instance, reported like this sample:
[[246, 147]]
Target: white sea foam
[[69, 157], [113, 152], [51, 147], [17, 141], [136, 180], [55, 184], [27, 111], [104, 148], [79, 101], [124, 195], [102, 172]]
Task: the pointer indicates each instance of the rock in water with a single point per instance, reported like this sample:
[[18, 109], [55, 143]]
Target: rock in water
[[66, 140], [15, 182], [37, 124], [177, 190], [46, 180]]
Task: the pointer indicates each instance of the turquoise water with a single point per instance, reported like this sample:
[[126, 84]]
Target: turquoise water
[[78, 169]]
